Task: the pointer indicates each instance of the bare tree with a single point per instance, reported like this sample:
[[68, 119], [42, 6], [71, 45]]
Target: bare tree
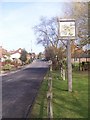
[[46, 32], [79, 12]]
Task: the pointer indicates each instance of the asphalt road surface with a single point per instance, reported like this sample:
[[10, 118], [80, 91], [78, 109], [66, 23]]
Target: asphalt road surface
[[19, 89]]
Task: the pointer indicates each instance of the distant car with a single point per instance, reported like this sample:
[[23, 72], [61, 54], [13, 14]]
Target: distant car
[[36, 60], [44, 59]]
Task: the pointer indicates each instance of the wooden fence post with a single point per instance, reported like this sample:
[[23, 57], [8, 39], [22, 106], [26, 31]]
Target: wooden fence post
[[63, 73], [49, 99], [51, 66]]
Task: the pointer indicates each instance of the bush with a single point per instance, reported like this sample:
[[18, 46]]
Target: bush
[[8, 61], [7, 67]]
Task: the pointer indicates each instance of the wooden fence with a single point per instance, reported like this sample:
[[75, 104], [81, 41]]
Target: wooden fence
[[49, 99], [63, 73]]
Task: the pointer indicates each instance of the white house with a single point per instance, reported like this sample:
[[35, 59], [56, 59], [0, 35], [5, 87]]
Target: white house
[[15, 54]]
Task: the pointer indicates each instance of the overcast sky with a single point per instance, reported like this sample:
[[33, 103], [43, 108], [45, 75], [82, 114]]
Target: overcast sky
[[17, 20]]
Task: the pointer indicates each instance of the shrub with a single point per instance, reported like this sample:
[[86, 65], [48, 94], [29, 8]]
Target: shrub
[[8, 61], [7, 67]]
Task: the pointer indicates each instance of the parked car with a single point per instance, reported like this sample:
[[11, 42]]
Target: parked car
[[44, 59]]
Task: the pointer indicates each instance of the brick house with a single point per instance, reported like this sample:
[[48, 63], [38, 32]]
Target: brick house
[[4, 54]]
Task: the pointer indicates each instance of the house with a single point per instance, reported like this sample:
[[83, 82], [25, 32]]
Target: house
[[4, 54], [28, 56], [15, 54], [80, 59], [33, 56], [80, 56]]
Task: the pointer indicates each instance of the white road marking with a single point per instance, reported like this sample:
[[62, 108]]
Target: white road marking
[[9, 80]]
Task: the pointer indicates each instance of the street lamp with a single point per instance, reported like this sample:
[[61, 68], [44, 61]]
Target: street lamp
[[67, 31]]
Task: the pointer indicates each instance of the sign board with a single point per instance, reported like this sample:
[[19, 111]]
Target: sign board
[[67, 29]]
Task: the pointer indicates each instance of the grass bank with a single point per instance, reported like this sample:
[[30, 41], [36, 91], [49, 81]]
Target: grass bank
[[65, 104]]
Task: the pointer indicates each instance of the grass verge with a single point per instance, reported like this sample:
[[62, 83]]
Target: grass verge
[[40, 107], [65, 104]]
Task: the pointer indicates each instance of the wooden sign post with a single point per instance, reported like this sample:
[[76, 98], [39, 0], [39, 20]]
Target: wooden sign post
[[67, 32]]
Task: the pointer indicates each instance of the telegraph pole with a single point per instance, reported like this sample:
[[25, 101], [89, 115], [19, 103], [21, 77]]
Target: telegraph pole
[[31, 46], [31, 52]]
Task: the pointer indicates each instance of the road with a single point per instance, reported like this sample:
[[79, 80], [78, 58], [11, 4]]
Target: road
[[19, 89]]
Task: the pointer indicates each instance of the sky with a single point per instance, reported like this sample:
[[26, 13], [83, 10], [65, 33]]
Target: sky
[[17, 20]]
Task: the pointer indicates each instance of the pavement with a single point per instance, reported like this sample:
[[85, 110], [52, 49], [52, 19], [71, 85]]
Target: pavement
[[20, 88]]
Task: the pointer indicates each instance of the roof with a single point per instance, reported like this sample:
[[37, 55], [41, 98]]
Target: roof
[[16, 51], [3, 52]]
